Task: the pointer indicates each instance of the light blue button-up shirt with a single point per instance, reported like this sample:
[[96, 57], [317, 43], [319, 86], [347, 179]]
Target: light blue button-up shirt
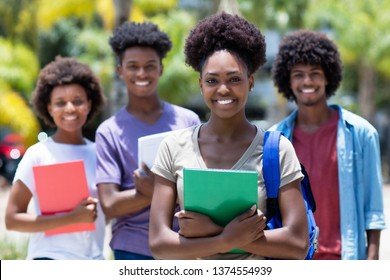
[[360, 180]]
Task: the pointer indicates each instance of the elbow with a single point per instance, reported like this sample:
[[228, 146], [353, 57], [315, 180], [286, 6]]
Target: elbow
[[108, 210], [302, 249], [10, 223], [299, 247], [155, 249], [156, 245]]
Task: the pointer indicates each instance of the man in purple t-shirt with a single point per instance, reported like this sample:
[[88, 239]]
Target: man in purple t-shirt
[[125, 193]]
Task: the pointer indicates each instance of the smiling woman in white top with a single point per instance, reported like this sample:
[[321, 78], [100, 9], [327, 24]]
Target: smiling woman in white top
[[67, 96]]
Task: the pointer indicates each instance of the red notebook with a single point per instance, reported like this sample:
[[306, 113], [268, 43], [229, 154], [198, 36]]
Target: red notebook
[[60, 187]]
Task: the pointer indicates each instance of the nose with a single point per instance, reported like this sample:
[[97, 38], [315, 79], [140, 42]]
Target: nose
[[223, 89], [141, 71], [307, 79], [69, 107]]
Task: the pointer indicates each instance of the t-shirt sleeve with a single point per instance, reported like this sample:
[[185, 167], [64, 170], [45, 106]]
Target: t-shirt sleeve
[[163, 165], [290, 167], [107, 159], [24, 171]]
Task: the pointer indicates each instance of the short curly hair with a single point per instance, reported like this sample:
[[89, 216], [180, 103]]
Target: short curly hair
[[146, 34], [225, 31], [64, 71], [307, 47]]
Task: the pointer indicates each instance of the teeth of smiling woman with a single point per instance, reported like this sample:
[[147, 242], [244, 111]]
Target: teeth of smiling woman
[[142, 83], [308, 90], [70, 118], [223, 102]]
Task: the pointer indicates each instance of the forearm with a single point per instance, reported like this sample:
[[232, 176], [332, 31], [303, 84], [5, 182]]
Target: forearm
[[170, 245], [123, 203], [373, 241], [26, 222], [279, 243]]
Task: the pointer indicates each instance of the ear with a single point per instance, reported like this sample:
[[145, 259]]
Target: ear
[[119, 70], [49, 109], [162, 69], [251, 81], [200, 84]]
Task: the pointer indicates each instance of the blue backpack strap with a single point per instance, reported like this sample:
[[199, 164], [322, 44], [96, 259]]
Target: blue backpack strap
[[271, 170]]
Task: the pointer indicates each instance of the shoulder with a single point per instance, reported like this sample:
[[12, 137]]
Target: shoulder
[[181, 135], [181, 111], [351, 119], [38, 147], [89, 144], [112, 122], [285, 124]]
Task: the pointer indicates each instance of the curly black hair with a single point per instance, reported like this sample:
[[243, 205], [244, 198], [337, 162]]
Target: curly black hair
[[146, 34], [307, 47], [63, 71], [225, 31]]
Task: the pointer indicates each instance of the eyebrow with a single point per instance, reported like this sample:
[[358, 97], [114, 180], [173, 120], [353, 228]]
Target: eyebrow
[[311, 69], [135, 61], [228, 73]]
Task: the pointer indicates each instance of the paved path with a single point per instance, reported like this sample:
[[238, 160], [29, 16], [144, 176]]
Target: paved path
[[19, 238]]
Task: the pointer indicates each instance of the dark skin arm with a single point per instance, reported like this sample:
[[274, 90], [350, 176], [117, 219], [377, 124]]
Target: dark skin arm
[[17, 218], [373, 240], [117, 203], [168, 244], [288, 242]]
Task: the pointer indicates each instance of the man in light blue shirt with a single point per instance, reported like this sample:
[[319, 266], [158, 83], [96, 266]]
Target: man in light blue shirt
[[339, 149]]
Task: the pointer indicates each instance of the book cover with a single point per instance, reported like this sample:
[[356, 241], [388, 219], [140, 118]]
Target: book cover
[[60, 187], [220, 194], [148, 148]]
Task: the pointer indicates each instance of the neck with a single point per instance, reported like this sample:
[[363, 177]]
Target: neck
[[228, 129], [148, 110], [68, 138], [309, 119], [140, 106]]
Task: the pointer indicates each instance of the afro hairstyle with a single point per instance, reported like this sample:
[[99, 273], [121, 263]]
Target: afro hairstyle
[[309, 48], [224, 31], [65, 71], [146, 34]]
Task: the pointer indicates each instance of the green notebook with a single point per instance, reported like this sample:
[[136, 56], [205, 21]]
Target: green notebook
[[221, 194]]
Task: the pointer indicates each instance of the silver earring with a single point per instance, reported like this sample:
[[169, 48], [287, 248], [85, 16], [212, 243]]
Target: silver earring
[[251, 89], [201, 92]]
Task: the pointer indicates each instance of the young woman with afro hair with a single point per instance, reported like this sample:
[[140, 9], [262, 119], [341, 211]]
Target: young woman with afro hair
[[226, 50], [339, 149], [67, 96]]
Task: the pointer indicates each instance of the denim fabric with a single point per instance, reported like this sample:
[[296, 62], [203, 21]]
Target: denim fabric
[[123, 255], [360, 179]]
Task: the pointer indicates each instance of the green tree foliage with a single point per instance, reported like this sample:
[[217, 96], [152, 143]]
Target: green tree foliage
[[360, 29], [17, 115], [49, 11], [58, 40], [18, 21], [18, 66], [91, 47], [179, 82], [152, 7]]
